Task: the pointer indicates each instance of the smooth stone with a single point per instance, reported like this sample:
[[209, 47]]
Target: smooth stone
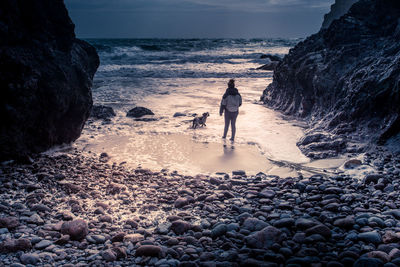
[[148, 250], [30, 258], [368, 262], [285, 222], [76, 229], [219, 230], [43, 244], [319, 229], [109, 255], [179, 227], [265, 238], [370, 237], [254, 224]]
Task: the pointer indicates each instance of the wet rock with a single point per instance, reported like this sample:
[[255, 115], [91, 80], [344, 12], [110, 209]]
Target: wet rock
[[138, 112], [105, 218], [179, 227], [76, 229], [35, 219], [120, 252], [353, 163], [40, 207], [265, 238], [148, 250], [179, 114], [239, 173], [30, 258], [9, 222], [102, 112]]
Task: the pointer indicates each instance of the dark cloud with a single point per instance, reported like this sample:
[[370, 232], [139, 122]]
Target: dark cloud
[[197, 18]]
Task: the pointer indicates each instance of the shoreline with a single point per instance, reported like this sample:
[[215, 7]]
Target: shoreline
[[140, 217]]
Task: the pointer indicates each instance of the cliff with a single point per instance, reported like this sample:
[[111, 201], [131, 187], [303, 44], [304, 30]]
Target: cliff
[[338, 9], [45, 77], [344, 80]]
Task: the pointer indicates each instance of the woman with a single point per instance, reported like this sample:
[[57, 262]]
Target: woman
[[230, 103]]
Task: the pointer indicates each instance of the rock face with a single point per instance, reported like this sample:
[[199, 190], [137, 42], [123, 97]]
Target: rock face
[[338, 9], [344, 80], [45, 77]]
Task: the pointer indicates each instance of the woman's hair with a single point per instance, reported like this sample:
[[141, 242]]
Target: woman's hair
[[231, 83]]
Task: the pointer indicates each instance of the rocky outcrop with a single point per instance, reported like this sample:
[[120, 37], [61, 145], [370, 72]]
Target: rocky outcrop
[[344, 80], [45, 77], [338, 9]]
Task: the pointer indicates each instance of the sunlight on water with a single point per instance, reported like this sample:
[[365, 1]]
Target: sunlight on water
[[190, 77]]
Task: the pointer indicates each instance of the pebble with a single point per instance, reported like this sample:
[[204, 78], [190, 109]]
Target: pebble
[[30, 258]]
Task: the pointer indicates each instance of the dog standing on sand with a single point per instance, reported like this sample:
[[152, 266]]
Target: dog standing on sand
[[200, 121]]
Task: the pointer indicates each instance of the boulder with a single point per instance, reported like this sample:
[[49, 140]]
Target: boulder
[[45, 77], [102, 112], [344, 80], [138, 112]]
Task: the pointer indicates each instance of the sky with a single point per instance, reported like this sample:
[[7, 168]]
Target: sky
[[197, 18]]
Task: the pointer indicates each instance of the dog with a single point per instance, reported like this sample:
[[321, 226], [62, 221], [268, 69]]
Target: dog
[[200, 121]]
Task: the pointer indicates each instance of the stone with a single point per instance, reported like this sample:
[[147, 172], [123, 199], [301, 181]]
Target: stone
[[181, 202], [9, 222], [105, 218], [379, 255], [347, 222], [338, 9], [319, 229], [390, 237], [179, 227], [138, 112], [119, 237], [64, 239], [303, 223], [45, 66], [76, 229], [266, 193], [179, 114], [43, 244], [40, 207], [284, 222], [109, 255], [324, 70], [102, 112], [239, 173], [219, 230], [148, 250], [265, 238], [134, 238], [12, 245], [368, 262], [353, 163], [254, 224], [372, 178], [370, 237], [30, 258]]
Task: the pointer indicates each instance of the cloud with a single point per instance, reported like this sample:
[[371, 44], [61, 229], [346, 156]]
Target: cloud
[[197, 5]]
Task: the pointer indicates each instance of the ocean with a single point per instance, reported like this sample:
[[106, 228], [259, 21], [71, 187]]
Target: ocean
[[189, 76]]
